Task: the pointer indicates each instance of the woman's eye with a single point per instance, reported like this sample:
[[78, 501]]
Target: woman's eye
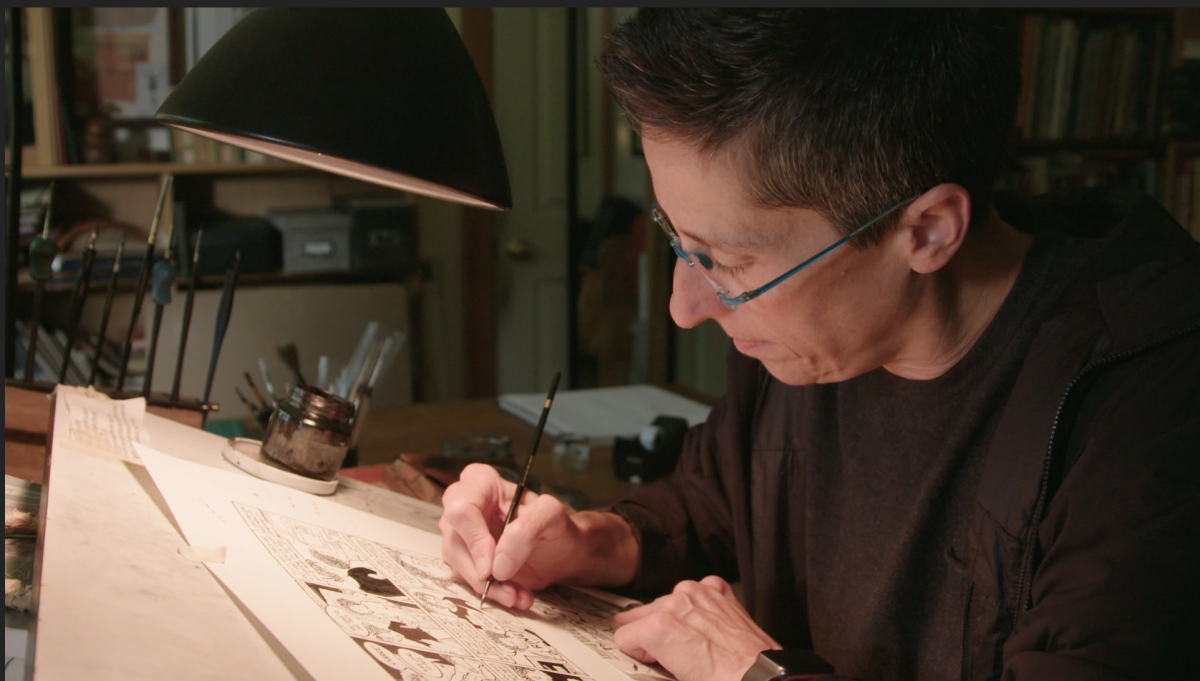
[[731, 270]]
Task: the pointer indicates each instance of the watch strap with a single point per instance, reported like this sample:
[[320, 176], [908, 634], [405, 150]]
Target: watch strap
[[787, 664]]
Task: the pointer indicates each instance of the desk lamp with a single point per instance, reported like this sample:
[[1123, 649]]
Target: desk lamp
[[386, 96]]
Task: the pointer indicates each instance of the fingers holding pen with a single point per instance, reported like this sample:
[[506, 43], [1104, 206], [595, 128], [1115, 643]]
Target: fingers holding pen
[[476, 544], [540, 519], [456, 554]]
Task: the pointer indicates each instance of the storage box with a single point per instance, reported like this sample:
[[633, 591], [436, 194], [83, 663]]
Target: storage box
[[253, 237], [383, 234], [314, 239]]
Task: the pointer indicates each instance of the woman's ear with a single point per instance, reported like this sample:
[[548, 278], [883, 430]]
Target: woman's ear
[[932, 228]]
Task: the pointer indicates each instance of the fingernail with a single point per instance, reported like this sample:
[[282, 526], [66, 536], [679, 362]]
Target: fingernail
[[503, 567], [481, 566]]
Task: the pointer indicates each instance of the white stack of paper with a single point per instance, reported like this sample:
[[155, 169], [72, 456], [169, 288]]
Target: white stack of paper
[[602, 414]]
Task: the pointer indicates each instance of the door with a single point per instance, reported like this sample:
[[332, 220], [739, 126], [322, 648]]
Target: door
[[530, 80]]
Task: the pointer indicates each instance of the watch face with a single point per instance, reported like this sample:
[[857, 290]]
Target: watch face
[[798, 662]]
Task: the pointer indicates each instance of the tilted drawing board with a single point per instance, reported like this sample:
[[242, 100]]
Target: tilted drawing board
[[355, 595]]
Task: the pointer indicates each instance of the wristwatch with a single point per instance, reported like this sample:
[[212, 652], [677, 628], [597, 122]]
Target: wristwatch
[[787, 664]]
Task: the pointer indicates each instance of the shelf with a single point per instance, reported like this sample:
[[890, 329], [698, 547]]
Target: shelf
[[26, 285], [1187, 147], [295, 278], [1164, 13], [1108, 145], [137, 170]]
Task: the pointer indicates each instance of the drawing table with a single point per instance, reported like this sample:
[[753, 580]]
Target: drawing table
[[420, 428], [115, 599], [114, 596]]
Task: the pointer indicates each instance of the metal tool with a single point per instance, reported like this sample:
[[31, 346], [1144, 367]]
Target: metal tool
[[161, 279], [291, 358], [108, 303], [266, 376], [143, 276], [520, 490], [187, 317], [224, 310], [83, 282]]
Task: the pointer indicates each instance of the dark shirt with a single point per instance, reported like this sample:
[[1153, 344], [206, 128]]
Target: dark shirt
[[887, 470], [862, 523]]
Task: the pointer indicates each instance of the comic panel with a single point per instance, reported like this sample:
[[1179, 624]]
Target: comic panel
[[407, 610], [382, 619], [589, 619], [420, 665]]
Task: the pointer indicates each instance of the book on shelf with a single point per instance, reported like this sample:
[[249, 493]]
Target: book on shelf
[[49, 359], [1036, 174], [45, 368], [1091, 78], [80, 365]]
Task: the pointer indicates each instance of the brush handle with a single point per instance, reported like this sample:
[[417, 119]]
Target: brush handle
[[139, 293], [225, 309], [187, 317], [108, 303], [41, 254], [83, 281]]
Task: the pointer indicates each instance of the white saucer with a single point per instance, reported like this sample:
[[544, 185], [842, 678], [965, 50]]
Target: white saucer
[[248, 455]]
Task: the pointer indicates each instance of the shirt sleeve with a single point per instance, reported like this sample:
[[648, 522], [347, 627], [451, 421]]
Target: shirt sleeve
[[1116, 594], [683, 521]]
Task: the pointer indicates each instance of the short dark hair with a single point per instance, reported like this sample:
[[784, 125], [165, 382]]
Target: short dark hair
[[843, 111]]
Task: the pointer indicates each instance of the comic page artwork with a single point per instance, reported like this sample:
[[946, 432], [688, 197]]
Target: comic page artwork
[[589, 618], [406, 610]]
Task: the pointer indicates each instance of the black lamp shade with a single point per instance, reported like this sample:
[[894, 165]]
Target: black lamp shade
[[388, 96]]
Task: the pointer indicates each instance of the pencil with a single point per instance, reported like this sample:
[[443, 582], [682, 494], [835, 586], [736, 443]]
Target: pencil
[[520, 491]]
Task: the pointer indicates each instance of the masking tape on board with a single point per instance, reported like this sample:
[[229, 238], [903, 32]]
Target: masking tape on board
[[203, 554]]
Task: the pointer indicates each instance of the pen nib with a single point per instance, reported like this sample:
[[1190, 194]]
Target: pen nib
[[486, 587]]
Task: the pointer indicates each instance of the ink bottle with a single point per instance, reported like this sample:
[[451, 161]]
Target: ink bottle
[[310, 432]]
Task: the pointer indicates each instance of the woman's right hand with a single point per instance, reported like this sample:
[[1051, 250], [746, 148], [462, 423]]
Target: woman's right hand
[[544, 544]]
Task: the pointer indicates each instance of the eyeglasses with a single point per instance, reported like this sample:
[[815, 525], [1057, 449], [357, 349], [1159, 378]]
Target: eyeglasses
[[706, 263]]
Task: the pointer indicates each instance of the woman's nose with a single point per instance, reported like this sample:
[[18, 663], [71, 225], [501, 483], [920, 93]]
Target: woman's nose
[[693, 298]]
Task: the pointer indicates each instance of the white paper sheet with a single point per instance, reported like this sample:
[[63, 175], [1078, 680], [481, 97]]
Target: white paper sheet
[[102, 426], [602, 414], [354, 595]]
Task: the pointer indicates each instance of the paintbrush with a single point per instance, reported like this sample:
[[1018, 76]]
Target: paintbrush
[[254, 411], [520, 490], [187, 317], [224, 310], [144, 275], [257, 395], [161, 278], [83, 282], [291, 359], [41, 258], [108, 303]]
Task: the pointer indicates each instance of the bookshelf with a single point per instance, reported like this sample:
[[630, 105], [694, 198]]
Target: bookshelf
[[143, 170], [209, 178], [1104, 98]]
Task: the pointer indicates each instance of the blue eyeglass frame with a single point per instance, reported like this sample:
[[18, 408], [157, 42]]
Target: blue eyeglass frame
[[660, 218]]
